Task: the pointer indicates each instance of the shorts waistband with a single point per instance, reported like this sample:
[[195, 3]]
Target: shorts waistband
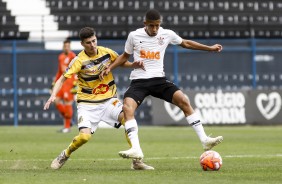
[[150, 79]]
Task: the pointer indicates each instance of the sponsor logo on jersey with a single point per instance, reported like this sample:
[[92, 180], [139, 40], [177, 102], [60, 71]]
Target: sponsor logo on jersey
[[101, 89], [161, 40], [149, 54]]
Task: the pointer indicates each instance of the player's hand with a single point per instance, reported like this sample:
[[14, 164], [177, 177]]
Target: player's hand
[[104, 73], [216, 48], [138, 64], [49, 101]]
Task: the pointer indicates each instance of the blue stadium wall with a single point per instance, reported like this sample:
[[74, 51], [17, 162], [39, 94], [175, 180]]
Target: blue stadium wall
[[249, 68]]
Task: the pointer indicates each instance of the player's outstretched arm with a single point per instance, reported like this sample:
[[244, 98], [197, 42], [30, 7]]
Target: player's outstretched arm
[[189, 44], [56, 88]]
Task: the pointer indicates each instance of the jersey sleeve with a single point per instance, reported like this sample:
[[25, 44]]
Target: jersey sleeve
[[175, 39], [112, 53], [73, 68], [129, 44]]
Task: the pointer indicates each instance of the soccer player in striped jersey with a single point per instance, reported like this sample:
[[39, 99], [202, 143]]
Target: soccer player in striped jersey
[[148, 44], [96, 99]]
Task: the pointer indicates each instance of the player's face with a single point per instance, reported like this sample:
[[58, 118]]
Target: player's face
[[152, 27], [90, 45], [66, 48]]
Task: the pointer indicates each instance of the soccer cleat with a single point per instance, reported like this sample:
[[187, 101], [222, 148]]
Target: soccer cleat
[[64, 130], [138, 164], [59, 161], [131, 153], [210, 142]]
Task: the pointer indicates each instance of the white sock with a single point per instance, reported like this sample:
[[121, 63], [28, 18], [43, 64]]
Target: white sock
[[195, 122], [131, 129]]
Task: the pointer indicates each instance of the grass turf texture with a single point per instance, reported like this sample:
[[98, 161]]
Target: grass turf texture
[[250, 155]]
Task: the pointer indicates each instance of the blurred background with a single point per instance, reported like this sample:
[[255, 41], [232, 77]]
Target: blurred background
[[240, 85]]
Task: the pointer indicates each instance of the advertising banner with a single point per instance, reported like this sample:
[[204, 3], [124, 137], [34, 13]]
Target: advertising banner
[[224, 107]]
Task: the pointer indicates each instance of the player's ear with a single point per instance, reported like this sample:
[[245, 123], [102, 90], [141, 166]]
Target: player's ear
[[145, 23]]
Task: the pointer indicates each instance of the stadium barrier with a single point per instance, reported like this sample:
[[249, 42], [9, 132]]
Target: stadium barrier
[[222, 107], [27, 70]]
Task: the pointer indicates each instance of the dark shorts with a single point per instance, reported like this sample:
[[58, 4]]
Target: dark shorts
[[158, 87]]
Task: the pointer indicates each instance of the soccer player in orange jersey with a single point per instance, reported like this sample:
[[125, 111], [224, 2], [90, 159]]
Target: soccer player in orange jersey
[[65, 98]]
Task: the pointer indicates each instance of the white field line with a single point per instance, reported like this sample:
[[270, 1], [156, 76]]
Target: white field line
[[148, 158]]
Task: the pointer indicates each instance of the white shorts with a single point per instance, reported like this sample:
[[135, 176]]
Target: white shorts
[[89, 116]]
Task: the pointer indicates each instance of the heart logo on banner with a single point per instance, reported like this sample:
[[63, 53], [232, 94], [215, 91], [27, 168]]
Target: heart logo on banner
[[273, 104], [173, 111]]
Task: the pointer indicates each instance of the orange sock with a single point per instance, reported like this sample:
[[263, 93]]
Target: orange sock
[[61, 108], [68, 115], [68, 111], [67, 123]]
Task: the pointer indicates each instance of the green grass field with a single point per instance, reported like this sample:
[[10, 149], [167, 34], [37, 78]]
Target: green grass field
[[250, 155]]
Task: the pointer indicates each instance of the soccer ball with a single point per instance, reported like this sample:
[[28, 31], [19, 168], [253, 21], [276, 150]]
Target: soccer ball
[[211, 161]]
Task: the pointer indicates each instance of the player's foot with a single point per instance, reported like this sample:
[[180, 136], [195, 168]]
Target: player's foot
[[64, 130], [138, 164], [210, 142], [59, 161], [131, 153]]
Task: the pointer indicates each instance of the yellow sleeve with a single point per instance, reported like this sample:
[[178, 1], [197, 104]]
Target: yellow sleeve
[[113, 54], [73, 68]]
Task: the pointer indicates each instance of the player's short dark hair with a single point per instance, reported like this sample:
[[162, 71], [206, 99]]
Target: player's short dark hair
[[153, 14], [86, 32], [67, 41]]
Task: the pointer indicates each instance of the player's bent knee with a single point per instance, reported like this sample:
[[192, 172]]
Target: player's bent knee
[[68, 116], [129, 111]]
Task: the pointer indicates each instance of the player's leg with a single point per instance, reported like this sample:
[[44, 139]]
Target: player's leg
[[60, 106], [82, 138], [194, 120], [171, 93], [131, 128], [122, 121], [137, 164], [133, 97], [68, 98], [86, 128], [67, 116], [111, 113], [114, 116], [63, 103]]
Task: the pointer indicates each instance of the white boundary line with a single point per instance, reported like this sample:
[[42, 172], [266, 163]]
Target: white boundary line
[[149, 158]]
